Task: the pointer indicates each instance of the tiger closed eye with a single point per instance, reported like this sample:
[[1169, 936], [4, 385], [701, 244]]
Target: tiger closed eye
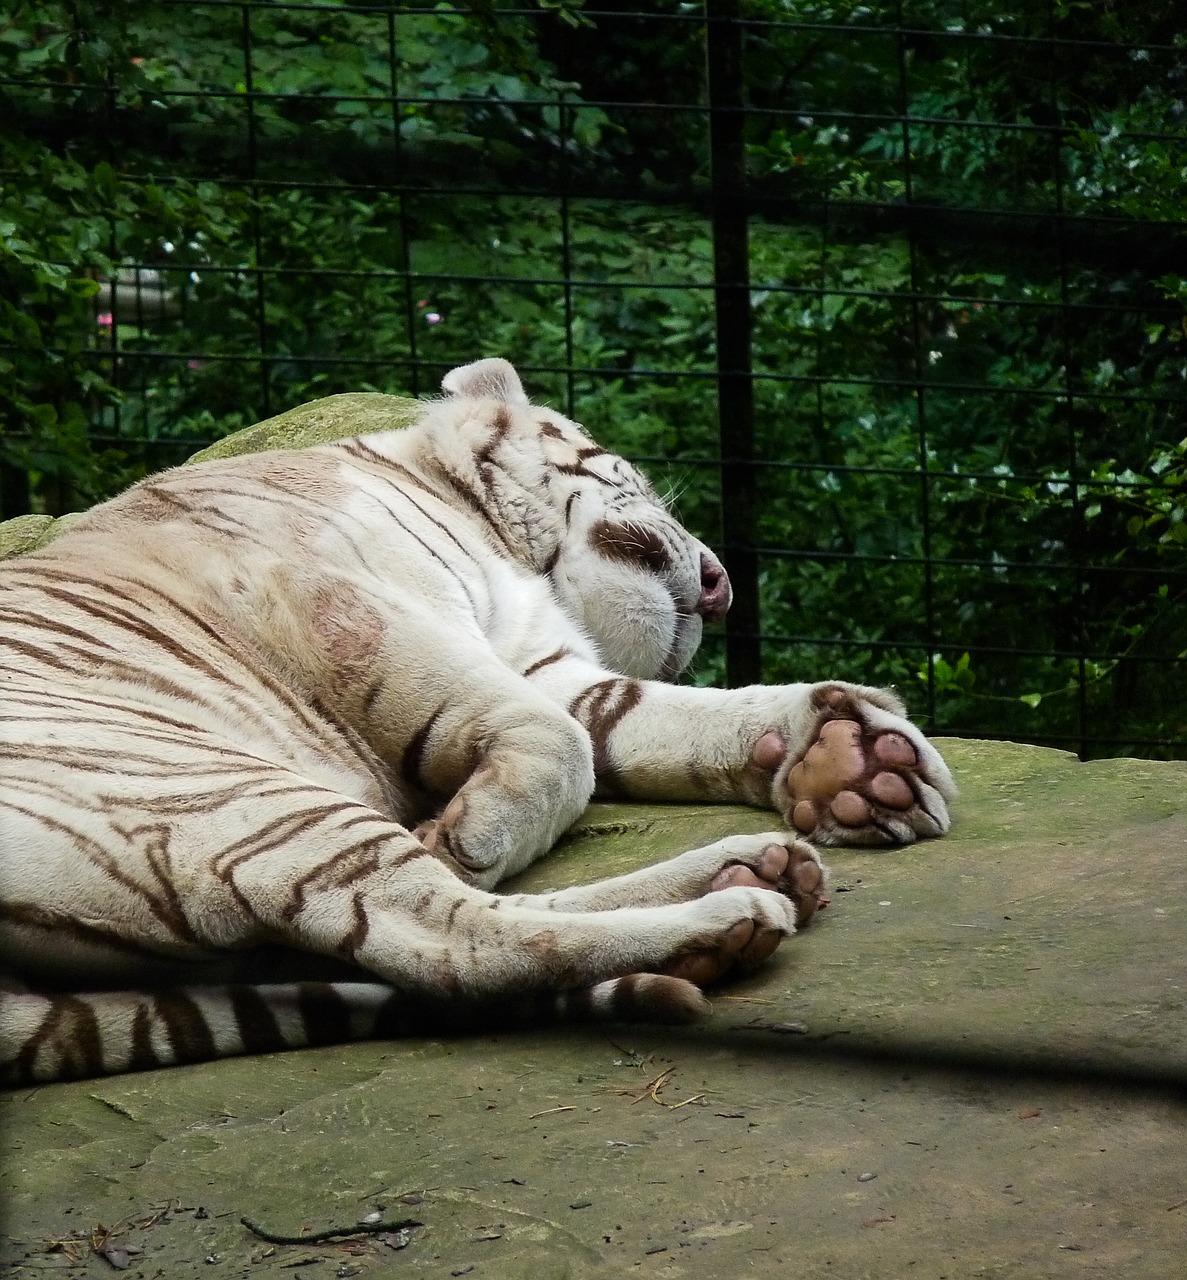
[[634, 543]]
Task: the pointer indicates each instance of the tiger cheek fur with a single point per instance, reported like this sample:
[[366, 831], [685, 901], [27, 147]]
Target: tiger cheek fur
[[278, 726]]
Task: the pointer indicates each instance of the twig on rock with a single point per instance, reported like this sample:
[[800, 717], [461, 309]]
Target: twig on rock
[[331, 1233]]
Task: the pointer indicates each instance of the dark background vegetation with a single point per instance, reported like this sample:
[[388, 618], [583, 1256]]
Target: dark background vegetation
[[959, 227]]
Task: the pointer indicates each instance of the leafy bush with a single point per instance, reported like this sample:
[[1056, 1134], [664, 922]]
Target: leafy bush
[[968, 322]]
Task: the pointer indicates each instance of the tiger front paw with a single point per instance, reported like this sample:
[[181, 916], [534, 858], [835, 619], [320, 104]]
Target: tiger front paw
[[868, 776]]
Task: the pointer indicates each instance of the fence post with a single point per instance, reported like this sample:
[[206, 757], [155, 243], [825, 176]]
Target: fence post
[[14, 492], [731, 279]]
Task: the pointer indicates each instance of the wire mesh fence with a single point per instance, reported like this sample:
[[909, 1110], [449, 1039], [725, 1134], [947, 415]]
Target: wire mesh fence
[[888, 295]]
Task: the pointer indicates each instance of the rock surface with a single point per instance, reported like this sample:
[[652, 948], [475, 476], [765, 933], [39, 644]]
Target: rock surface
[[972, 1064]]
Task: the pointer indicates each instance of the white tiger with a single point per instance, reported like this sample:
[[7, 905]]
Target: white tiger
[[321, 702]]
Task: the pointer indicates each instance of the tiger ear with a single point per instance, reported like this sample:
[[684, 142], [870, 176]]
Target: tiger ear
[[492, 379]]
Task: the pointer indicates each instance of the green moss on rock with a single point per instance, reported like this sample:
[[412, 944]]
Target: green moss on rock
[[319, 422], [27, 533]]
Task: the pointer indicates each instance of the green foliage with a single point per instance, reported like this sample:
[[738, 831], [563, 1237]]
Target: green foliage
[[974, 464], [53, 241]]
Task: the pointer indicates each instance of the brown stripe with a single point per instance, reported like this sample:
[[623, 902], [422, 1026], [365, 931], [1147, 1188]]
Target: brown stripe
[[484, 458], [46, 656], [110, 864], [559, 655], [578, 468], [54, 626], [412, 761], [133, 620], [632, 544], [272, 835], [232, 653], [366, 454], [229, 779], [157, 489], [375, 688], [600, 708], [502, 427], [623, 1000], [190, 1037], [255, 1020], [339, 871], [70, 1030], [143, 1056], [324, 1013], [430, 550], [353, 942], [475, 502]]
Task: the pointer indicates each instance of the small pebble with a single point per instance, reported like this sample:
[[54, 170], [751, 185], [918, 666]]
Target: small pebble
[[581, 1204], [866, 1177]]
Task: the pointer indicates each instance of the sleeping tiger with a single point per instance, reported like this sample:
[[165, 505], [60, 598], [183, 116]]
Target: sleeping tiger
[[277, 726]]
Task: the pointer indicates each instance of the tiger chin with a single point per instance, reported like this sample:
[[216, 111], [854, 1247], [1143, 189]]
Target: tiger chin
[[278, 726]]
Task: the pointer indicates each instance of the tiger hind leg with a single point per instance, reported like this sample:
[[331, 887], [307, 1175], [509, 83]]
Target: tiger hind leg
[[331, 876], [293, 863], [773, 860]]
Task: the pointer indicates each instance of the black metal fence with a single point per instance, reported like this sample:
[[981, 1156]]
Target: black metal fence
[[889, 295]]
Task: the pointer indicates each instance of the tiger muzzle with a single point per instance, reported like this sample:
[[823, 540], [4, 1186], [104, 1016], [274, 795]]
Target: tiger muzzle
[[716, 593]]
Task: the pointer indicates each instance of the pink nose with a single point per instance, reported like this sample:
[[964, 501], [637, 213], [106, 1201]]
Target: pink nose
[[716, 593]]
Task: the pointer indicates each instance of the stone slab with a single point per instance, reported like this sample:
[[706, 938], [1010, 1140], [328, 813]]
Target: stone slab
[[972, 1064]]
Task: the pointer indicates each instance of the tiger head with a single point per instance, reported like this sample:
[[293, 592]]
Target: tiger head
[[621, 566]]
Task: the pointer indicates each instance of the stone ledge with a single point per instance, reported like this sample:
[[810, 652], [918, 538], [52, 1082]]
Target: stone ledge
[[972, 1063]]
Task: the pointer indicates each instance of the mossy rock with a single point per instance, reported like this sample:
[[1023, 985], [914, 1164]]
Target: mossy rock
[[27, 533], [971, 1064], [334, 418], [320, 421]]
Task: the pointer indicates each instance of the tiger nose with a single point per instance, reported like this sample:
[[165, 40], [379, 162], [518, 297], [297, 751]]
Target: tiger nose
[[716, 593]]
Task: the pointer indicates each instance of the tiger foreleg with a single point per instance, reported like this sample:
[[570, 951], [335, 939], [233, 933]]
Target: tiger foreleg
[[468, 945], [841, 763]]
